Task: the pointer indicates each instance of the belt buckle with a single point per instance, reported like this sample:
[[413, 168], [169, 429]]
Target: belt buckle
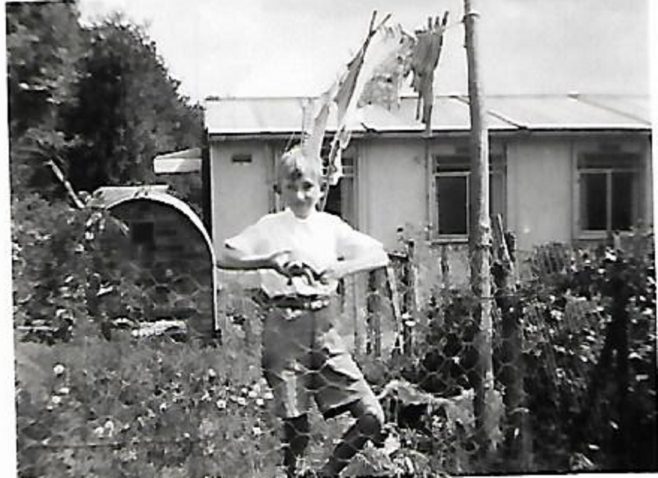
[[318, 303]]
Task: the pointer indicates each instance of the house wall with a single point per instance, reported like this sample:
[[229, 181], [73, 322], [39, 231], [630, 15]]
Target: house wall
[[392, 187], [240, 192], [539, 190]]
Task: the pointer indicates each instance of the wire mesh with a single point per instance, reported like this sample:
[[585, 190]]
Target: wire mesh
[[141, 391]]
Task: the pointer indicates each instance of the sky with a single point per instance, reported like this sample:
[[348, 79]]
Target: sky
[[298, 47]]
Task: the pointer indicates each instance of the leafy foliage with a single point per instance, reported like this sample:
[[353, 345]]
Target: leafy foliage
[[600, 305], [98, 101], [44, 46], [588, 325], [128, 109], [153, 408], [55, 251]]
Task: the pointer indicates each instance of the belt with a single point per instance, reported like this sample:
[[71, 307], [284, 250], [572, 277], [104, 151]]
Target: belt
[[301, 302]]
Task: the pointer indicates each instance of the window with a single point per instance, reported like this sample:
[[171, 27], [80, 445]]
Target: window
[[452, 185], [241, 158], [142, 235], [609, 191], [341, 199]]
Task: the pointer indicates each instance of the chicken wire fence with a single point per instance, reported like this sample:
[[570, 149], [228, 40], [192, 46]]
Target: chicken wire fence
[[167, 391]]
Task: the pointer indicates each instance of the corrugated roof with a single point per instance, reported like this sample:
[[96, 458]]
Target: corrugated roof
[[190, 153], [235, 116], [107, 196], [176, 165], [183, 161]]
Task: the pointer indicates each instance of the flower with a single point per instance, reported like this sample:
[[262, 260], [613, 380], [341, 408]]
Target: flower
[[59, 369], [221, 404], [241, 401], [252, 394], [268, 395], [63, 391], [109, 427], [257, 431]]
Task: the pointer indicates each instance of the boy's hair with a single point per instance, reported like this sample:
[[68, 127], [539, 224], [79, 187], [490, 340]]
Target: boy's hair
[[294, 164]]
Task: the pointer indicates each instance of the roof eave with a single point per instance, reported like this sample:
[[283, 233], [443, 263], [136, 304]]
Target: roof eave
[[419, 134]]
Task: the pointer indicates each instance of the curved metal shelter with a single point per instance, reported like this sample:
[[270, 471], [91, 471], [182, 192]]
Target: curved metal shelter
[[119, 198]]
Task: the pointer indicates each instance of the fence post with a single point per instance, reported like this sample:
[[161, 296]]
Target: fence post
[[409, 298], [512, 369], [376, 286], [620, 296]]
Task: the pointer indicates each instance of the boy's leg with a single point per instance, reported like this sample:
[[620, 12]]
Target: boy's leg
[[295, 439], [369, 421]]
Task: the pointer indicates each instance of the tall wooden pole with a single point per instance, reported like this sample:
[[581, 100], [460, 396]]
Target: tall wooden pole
[[480, 231]]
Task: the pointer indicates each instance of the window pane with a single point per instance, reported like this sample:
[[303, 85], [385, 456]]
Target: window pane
[[334, 199], [341, 200], [452, 163], [622, 200], [348, 203], [496, 194], [453, 203], [593, 189], [609, 160], [142, 234]]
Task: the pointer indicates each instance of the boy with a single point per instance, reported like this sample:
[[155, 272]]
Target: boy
[[301, 254]]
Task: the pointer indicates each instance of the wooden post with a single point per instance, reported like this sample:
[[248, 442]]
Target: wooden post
[[517, 448], [410, 299], [620, 296], [65, 182], [480, 230]]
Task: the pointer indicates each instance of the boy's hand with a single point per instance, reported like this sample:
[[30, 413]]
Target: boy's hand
[[278, 260], [331, 273], [282, 263]]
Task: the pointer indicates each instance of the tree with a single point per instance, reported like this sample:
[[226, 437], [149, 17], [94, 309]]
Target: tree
[[44, 44], [128, 109]]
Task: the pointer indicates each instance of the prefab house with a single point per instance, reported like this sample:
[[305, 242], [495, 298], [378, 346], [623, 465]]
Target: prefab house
[[564, 168]]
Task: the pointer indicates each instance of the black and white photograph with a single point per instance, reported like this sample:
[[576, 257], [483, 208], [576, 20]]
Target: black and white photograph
[[322, 239]]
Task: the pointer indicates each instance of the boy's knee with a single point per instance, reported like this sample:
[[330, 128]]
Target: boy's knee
[[372, 418], [297, 426]]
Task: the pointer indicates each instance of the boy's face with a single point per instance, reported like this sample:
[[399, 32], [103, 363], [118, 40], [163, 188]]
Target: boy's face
[[300, 191]]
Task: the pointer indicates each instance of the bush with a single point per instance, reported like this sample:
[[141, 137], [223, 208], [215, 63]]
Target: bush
[[577, 309], [599, 305]]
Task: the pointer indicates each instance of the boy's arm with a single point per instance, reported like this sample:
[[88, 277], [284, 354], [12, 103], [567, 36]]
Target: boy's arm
[[365, 260], [359, 252], [233, 259]]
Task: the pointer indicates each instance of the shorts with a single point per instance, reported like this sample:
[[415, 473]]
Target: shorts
[[304, 357]]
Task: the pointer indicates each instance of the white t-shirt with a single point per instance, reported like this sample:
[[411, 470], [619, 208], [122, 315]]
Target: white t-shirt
[[318, 240]]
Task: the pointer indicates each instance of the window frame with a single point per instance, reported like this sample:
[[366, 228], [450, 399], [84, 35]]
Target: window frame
[[350, 173], [351, 154], [637, 196], [498, 167]]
